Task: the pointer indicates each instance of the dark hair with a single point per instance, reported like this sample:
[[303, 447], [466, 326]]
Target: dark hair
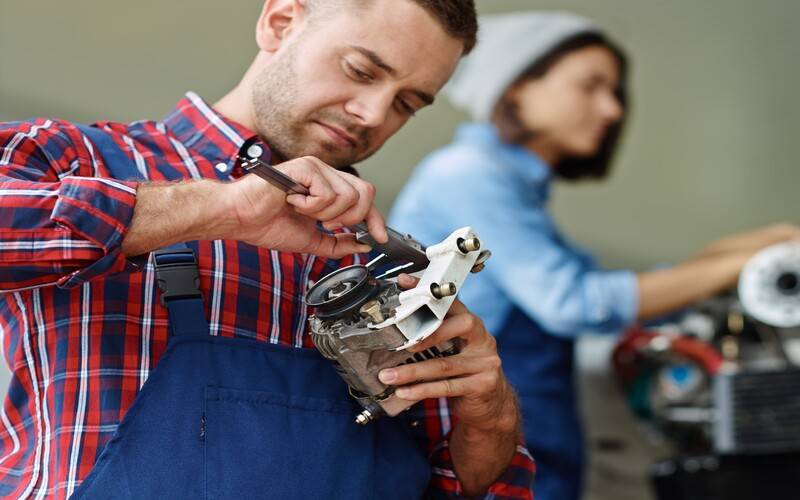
[[458, 18], [506, 116]]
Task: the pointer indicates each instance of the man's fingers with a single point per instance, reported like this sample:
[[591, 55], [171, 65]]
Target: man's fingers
[[312, 173], [336, 198], [407, 281], [438, 368], [465, 326], [377, 225], [321, 193], [457, 307], [448, 388], [345, 208], [336, 246], [363, 206]]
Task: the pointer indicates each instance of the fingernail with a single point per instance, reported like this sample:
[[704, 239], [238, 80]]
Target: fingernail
[[402, 393], [332, 226], [387, 376]]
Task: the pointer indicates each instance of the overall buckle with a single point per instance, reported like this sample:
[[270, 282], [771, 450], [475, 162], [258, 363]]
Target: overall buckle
[[177, 274]]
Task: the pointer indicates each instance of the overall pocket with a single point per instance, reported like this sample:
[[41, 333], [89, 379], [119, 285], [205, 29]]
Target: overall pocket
[[272, 445]]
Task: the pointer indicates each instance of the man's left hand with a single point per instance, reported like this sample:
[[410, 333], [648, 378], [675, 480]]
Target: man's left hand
[[479, 393]]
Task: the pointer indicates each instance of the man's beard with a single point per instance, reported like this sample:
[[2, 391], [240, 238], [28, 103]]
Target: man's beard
[[276, 99]]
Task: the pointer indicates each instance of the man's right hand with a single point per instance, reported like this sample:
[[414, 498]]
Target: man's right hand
[[265, 216], [252, 210]]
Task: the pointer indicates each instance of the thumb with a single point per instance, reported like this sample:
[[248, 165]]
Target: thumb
[[407, 281], [336, 246]]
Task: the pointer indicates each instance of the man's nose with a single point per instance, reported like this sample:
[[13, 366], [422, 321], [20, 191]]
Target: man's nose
[[370, 107]]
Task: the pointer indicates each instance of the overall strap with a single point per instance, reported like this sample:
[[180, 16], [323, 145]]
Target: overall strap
[[176, 266], [179, 281]]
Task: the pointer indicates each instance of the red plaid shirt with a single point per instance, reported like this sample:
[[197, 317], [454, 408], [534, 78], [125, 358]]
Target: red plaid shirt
[[81, 326]]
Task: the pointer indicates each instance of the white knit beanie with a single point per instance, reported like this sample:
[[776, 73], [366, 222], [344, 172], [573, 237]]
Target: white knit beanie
[[508, 44]]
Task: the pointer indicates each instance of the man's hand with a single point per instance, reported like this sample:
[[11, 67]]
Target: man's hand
[[488, 421], [473, 380], [252, 210], [265, 216]]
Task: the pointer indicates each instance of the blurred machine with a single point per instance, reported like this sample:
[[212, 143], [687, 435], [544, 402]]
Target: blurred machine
[[722, 384]]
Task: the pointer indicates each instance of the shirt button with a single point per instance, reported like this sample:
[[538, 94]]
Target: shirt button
[[222, 167]]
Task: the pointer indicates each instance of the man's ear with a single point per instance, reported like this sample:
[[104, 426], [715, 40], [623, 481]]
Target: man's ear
[[278, 19]]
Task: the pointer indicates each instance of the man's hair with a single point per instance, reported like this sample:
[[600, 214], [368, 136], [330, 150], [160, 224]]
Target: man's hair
[[512, 131], [458, 17]]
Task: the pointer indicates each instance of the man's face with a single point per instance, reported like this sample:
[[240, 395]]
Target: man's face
[[340, 86]]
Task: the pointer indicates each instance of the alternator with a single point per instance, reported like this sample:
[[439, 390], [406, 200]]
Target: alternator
[[364, 323]]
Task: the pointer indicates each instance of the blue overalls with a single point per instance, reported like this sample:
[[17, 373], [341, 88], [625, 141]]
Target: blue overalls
[[540, 368], [238, 418]]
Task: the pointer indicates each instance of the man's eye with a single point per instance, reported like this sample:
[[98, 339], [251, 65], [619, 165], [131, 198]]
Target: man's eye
[[407, 108], [358, 74]]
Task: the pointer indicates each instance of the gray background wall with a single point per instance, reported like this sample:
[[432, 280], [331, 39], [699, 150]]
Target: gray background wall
[[709, 148]]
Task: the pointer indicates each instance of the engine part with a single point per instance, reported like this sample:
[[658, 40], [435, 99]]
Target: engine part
[[756, 412], [364, 323], [769, 285]]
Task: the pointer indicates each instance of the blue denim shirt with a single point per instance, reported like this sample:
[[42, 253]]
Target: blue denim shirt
[[537, 292], [501, 191]]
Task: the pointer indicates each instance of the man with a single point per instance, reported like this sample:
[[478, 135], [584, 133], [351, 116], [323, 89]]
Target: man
[[227, 404]]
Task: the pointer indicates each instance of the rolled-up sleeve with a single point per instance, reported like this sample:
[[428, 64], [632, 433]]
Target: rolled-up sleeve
[[58, 223]]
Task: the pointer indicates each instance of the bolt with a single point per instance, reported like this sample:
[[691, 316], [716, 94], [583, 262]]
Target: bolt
[[468, 245], [373, 310], [364, 417], [735, 322], [444, 290], [477, 268], [255, 151], [479, 262]]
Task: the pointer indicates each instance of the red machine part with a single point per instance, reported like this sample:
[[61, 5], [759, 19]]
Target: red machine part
[[636, 341]]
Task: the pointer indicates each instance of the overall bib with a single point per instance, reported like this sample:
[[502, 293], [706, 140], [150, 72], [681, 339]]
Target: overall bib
[[238, 418], [540, 368]]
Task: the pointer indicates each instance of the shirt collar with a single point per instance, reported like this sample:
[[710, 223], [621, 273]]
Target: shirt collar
[[525, 164], [199, 127]]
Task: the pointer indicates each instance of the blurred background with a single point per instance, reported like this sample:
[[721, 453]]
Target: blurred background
[[708, 149]]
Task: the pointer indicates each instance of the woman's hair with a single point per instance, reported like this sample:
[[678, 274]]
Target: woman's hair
[[512, 131]]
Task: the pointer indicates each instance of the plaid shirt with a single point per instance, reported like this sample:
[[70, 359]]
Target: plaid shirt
[[80, 325]]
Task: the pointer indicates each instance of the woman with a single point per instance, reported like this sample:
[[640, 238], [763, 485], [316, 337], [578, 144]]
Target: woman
[[548, 93]]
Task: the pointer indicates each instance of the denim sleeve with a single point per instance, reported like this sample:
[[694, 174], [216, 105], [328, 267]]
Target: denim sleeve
[[554, 283]]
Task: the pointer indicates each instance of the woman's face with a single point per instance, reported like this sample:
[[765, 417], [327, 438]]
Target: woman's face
[[570, 109]]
